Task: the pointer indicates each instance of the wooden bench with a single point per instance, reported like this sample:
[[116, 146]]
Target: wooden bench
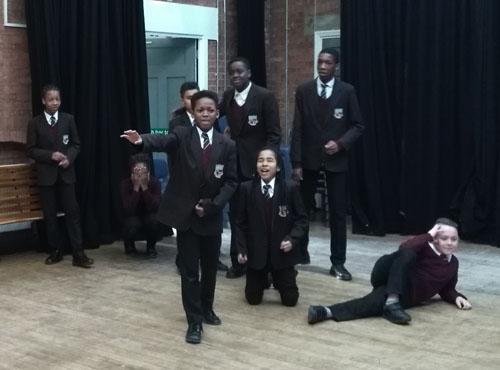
[[19, 196]]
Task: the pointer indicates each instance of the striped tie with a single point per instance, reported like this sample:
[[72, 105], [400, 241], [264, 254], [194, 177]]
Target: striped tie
[[266, 189], [206, 140], [323, 91], [52, 120]]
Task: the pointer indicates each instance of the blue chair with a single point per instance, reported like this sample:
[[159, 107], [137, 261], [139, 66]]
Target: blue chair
[[161, 171]]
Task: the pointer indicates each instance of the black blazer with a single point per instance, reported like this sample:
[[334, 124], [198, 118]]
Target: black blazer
[[260, 126], [180, 119], [289, 221], [344, 125], [189, 182], [40, 144]]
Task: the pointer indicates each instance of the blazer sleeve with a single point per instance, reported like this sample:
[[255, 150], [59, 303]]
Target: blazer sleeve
[[152, 196], [160, 142], [417, 242], [241, 221], [356, 122], [296, 140], [74, 147], [449, 293], [33, 150], [272, 119], [299, 215]]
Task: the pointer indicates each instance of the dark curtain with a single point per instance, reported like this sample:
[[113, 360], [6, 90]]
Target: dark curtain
[[427, 77], [95, 51], [251, 37]]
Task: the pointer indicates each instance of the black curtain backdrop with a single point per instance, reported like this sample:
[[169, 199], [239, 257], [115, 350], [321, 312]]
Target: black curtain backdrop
[[95, 51], [251, 37], [427, 77]]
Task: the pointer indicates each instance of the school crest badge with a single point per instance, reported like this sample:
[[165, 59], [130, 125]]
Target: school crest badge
[[253, 120], [65, 139], [219, 171], [338, 113], [283, 211]]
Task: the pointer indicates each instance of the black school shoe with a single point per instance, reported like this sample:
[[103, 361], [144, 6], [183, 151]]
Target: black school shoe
[[55, 257], [340, 272], [193, 334], [211, 318], [395, 313], [316, 314], [233, 273], [80, 259]]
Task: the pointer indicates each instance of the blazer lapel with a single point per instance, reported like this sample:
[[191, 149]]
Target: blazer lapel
[[313, 97], [195, 150], [336, 92], [217, 143]]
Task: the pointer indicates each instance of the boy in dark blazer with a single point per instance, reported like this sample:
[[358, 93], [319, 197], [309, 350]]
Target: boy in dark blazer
[[253, 122], [271, 221], [184, 116], [53, 142], [422, 267], [326, 124], [202, 182]]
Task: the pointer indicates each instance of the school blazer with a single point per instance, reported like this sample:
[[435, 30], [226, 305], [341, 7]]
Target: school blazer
[[260, 125], [289, 221], [344, 125], [180, 119], [40, 145], [189, 182]]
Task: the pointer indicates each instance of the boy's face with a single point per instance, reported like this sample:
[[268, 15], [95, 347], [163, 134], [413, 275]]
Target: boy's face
[[186, 99], [446, 240], [205, 113], [51, 100], [239, 75], [267, 166], [326, 66]]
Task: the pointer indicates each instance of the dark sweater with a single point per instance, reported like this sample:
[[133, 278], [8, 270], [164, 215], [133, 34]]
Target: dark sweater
[[432, 274], [140, 203]]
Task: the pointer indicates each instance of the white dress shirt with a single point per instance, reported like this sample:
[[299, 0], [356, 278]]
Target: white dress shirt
[[329, 87], [271, 189], [241, 97], [47, 117], [210, 134]]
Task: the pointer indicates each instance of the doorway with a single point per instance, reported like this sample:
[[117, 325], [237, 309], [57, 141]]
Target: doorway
[[171, 62]]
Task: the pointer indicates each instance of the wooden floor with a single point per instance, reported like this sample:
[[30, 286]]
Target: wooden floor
[[126, 314]]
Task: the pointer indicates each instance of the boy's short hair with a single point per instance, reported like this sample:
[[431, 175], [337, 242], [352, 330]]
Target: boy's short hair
[[140, 158], [333, 52], [243, 60], [447, 222], [189, 85], [49, 87], [204, 94]]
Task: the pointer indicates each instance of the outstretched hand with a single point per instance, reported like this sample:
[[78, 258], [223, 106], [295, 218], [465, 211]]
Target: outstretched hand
[[132, 136]]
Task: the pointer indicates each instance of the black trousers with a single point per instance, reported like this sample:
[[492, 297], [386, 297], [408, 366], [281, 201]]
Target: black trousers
[[284, 280], [337, 207], [141, 227], [196, 251], [54, 198], [389, 276]]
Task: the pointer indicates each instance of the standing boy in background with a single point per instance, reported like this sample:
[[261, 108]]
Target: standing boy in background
[[326, 124], [253, 119], [53, 142]]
